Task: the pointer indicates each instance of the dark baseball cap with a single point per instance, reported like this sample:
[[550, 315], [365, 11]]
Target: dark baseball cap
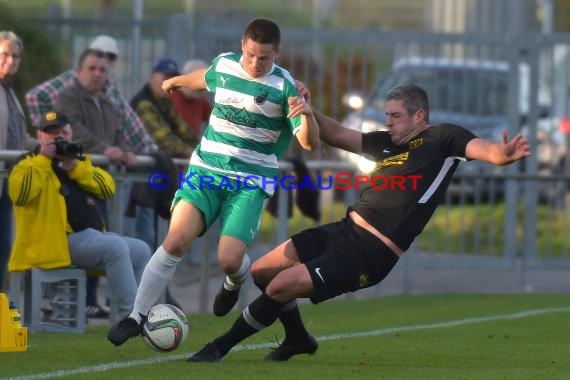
[[166, 66], [53, 119]]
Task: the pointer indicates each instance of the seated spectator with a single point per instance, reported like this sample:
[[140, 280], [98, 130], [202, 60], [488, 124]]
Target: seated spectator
[[193, 106], [58, 220], [13, 133], [43, 97]]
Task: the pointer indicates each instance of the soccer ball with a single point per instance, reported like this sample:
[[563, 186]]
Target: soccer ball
[[166, 328]]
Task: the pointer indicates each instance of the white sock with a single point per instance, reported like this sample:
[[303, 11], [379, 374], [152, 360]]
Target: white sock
[[155, 278], [233, 281]]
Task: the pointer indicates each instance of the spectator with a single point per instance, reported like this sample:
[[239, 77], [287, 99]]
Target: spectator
[[156, 110], [93, 118], [12, 133], [193, 106], [96, 125], [54, 206], [170, 134], [43, 97]]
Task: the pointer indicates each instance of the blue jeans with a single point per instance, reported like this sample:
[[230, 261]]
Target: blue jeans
[[122, 258], [142, 226], [5, 230]]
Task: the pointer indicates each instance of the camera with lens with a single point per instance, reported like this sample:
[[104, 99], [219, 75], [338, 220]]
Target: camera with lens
[[69, 149]]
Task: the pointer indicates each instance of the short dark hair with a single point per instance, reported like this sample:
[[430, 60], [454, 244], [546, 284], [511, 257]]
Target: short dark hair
[[263, 31], [90, 52], [414, 97]]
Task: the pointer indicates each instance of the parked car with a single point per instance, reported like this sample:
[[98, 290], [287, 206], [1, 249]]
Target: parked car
[[470, 93]]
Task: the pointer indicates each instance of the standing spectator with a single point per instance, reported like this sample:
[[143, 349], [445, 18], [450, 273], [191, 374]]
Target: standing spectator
[[13, 133], [95, 122], [192, 105], [170, 134], [96, 125], [42, 98], [58, 221], [156, 110]]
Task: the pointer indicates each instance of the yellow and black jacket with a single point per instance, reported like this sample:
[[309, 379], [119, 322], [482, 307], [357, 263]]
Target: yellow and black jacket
[[40, 210]]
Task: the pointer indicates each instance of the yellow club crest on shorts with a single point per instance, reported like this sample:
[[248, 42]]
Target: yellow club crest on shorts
[[364, 280]]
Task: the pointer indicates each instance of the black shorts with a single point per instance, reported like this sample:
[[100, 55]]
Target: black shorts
[[342, 257]]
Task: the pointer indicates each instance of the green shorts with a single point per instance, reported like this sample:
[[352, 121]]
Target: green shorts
[[239, 210]]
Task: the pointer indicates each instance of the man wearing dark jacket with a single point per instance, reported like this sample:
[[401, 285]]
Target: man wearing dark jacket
[[157, 112]]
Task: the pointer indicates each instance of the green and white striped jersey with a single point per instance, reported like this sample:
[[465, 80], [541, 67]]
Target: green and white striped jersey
[[248, 131]]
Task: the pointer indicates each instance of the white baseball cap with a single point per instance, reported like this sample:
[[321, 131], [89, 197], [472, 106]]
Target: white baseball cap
[[106, 44], [193, 64]]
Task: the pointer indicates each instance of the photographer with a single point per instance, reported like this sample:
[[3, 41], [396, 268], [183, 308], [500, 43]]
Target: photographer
[[58, 218]]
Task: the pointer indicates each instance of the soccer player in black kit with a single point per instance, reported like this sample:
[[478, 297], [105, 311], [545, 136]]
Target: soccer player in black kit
[[360, 250]]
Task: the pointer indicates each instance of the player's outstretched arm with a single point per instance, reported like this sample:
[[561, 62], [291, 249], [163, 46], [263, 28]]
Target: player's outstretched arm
[[195, 81], [498, 153], [330, 130], [335, 134]]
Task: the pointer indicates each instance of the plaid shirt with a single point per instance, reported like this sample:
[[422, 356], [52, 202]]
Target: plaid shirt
[[168, 130], [42, 98]]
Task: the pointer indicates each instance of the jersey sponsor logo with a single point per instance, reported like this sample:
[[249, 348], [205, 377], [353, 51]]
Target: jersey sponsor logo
[[238, 116], [399, 159], [224, 80], [232, 100], [260, 99], [416, 143], [318, 272]]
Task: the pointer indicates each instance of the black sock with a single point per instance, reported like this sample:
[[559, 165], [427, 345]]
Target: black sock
[[295, 331], [261, 313]]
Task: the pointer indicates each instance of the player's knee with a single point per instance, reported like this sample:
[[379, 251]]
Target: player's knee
[[229, 263], [177, 244], [280, 289]]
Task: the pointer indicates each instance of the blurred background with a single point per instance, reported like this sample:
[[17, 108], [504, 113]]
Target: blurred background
[[489, 65]]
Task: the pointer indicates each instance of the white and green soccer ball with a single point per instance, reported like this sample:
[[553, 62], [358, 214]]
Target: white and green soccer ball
[[166, 328]]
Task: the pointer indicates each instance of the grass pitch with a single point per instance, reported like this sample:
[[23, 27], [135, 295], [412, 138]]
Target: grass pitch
[[402, 337]]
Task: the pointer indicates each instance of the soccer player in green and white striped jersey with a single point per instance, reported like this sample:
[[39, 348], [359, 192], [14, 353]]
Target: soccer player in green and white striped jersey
[[257, 110]]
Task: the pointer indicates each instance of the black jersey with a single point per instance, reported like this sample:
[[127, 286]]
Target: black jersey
[[410, 180]]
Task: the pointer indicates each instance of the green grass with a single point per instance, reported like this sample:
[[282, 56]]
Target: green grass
[[530, 347]]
